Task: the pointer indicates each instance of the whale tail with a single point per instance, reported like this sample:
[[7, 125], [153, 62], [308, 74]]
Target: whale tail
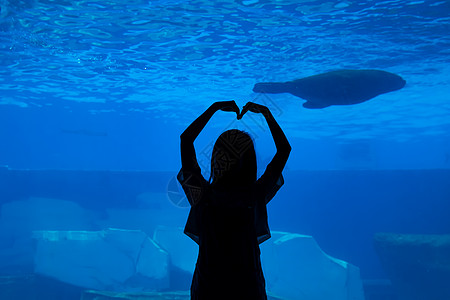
[[270, 87]]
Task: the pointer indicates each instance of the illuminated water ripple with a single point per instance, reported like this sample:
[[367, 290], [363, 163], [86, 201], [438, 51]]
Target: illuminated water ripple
[[168, 54]]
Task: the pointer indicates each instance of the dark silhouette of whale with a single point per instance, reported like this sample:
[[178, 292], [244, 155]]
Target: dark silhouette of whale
[[342, 87]]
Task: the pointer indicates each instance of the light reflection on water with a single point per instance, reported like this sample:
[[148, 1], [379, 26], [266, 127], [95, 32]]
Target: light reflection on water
[[171, 54]]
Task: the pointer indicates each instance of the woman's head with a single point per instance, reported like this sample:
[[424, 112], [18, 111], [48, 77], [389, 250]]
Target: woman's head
[[233, 161]]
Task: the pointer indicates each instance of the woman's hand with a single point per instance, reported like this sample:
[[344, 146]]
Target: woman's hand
[[255, 108], [227, 106]]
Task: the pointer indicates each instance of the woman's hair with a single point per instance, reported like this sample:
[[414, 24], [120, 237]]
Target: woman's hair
[[233, 160]]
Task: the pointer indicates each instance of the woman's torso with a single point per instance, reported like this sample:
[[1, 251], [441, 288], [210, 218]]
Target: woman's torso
[[229, 255]]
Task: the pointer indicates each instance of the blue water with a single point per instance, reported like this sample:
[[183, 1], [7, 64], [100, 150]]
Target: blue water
[[110, 85], [127, 68]]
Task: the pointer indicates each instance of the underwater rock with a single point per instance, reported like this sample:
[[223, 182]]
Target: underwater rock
[[35, 287], [129, 264], [181, 295], [182, 255], [112, 259], [182, 251], [16, 253], [102, 295], [19, 218], [296, 268], [418, 265]]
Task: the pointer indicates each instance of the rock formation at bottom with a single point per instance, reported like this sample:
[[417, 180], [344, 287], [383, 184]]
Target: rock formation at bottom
[[418, 265]]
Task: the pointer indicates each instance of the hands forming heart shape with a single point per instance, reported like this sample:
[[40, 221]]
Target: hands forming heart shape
[[250, 106]]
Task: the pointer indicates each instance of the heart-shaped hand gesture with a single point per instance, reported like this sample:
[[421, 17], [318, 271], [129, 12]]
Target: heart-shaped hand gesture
[[250, 106], [253, 107], [228, 106]]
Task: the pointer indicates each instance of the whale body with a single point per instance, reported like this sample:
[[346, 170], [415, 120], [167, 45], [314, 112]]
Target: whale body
[[342, 87]]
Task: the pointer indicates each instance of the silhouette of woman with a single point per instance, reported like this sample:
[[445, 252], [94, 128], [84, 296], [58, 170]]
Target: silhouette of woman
[[228, 216]]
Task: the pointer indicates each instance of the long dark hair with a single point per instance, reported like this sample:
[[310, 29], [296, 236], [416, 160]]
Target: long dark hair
[[233, 160]]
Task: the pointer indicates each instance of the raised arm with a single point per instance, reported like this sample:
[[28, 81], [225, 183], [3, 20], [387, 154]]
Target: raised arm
[[281, 143], [188, 157]]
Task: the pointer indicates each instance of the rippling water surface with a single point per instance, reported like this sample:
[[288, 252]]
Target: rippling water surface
[[155, 57]]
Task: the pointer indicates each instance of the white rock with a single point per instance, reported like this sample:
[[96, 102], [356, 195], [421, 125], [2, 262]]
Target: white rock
[[19, 218], [127, 260], [296, 268], [16, 254], [105, 260], [153, 262], [129, 242], [182, 250]]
